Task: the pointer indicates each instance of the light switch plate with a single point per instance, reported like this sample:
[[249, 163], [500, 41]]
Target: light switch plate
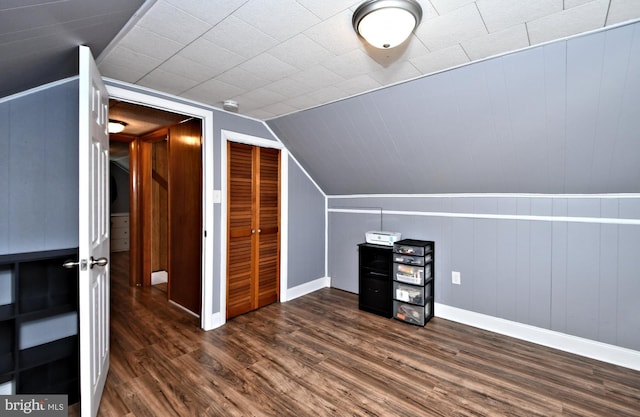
[[455, 277]]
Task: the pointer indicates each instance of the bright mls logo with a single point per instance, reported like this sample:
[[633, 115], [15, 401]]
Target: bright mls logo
[[33, 405]]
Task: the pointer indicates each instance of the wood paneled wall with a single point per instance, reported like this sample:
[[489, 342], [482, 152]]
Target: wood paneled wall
[[160, 207]]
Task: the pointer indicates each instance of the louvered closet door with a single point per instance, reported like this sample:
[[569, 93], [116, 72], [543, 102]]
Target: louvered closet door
[[240, 218], [253, 228], [268, 227]]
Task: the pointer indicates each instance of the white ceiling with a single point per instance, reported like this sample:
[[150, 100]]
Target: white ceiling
[[276, 57]]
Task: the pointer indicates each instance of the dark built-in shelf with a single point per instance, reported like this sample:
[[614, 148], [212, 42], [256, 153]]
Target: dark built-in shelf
[[375, 279], [42, 289], [7, 311], [48, 352]]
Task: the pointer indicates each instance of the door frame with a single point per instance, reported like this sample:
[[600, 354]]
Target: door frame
[[230, 136], [208, 317]]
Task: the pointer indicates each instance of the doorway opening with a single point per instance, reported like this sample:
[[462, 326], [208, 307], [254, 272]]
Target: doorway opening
[[156, 200]]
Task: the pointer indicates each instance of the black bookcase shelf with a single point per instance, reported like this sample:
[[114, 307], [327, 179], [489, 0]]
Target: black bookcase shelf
[[7, 311], [6, 346], [375, 279], [48, 352], [50, 312], [42, 289]]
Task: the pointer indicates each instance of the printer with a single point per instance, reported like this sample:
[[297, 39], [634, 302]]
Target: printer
[[378, 237]]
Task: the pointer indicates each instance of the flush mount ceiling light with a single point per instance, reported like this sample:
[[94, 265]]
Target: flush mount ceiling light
[[386, 23], [116, 126]]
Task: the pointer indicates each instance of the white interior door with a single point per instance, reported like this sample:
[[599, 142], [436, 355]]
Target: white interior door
[[94, 234]]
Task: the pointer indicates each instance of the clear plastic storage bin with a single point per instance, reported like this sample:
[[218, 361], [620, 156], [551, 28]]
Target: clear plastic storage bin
[[411, 250], [413, 294], [410, 274], [408, 259], [413, 314]]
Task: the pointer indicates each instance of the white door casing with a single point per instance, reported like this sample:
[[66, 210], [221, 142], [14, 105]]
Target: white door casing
[[230, 136], [93, 228], [209, 319]]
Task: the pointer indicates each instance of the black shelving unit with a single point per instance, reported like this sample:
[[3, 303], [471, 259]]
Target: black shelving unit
[[41, 289], [375, 278], [413, 290]]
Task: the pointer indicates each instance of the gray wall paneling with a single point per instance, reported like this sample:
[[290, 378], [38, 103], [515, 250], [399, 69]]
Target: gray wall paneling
[[484, 262], [628, 263], [606, 325], [578, 278], [506, 274], [346, 231], [306, 228], [39, 144], [4, 179], [628, 330], [583, 273]]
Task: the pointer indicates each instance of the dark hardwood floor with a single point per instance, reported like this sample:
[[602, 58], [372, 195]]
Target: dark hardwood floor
[[318, 355]]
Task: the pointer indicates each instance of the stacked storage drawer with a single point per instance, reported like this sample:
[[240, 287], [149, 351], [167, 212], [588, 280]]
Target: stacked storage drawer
[[413, 281]]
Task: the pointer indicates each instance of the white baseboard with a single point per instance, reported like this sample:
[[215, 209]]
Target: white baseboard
[[577, 345], [213, 321], [306, 288], [159, 277]]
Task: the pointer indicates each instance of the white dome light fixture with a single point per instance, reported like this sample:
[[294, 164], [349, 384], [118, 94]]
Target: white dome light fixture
[[386, 23], [116, 126]]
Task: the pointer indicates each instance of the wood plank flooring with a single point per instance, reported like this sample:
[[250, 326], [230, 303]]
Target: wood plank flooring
[[318, 355]]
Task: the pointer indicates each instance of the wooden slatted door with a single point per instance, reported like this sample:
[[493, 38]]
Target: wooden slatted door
[[253, 246], [240, 286], [268, 226]]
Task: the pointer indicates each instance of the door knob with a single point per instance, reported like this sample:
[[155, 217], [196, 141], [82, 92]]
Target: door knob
[[70, 264], [100, 262], [73, 264]]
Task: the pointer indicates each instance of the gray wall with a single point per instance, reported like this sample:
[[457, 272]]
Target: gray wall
[[39, 170], [557, 118], [306, 228], [573, 267]]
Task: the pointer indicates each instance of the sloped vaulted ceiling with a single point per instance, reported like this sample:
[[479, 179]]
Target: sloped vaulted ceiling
[[39, 38], [559, 118]]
